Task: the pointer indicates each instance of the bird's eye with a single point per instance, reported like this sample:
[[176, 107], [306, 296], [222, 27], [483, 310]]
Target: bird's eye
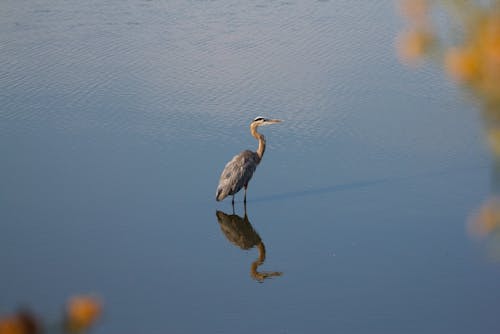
[[258, 119]]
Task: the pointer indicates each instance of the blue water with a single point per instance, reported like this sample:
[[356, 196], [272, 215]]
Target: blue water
[[117, 118]]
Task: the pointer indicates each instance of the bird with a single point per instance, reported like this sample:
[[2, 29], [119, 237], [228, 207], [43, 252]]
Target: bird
[[239, 170]]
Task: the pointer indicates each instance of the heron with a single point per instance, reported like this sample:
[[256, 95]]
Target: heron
[[240, 169]]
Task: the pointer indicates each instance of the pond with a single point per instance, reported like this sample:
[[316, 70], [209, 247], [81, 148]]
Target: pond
[[118, 117]]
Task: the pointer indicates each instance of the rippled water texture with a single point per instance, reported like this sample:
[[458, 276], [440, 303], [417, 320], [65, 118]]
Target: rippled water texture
[[117, 118]]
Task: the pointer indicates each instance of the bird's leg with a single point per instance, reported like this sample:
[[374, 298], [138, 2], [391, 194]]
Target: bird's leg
[[245, 198], [233, 200]]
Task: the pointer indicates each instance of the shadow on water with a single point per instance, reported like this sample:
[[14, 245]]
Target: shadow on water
[[363, 184], [241, 233]]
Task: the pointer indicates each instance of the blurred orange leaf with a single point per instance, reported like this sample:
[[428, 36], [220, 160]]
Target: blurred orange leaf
[[413, 44], [82, 312], [23, 322], [414, 10], [462, 64], [487, 219]]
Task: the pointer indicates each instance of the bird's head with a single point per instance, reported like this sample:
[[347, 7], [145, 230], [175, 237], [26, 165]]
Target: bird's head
[[259, 121]]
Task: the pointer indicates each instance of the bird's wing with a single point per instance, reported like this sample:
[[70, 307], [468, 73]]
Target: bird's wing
[[236, 174]]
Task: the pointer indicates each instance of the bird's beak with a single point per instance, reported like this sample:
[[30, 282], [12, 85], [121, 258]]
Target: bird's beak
[[273, 121]]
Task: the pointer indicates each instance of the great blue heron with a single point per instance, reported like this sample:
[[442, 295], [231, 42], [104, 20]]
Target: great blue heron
[[239, 170]]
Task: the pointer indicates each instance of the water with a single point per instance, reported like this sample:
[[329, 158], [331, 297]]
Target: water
[[117, 118]]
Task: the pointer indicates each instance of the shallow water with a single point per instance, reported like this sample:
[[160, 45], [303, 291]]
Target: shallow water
[[118, 117]]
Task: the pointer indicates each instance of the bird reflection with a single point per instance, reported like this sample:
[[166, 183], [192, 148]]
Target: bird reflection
[[240, 232]]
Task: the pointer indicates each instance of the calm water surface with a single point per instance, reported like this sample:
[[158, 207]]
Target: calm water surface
[[117, 118]]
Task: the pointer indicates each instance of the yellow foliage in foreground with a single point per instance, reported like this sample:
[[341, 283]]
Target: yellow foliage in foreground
[[82, 312]]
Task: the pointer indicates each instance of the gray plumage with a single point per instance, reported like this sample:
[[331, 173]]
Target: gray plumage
[[239, 171]]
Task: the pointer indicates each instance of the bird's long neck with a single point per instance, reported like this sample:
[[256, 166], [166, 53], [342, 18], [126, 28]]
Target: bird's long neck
[[262, 141]]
